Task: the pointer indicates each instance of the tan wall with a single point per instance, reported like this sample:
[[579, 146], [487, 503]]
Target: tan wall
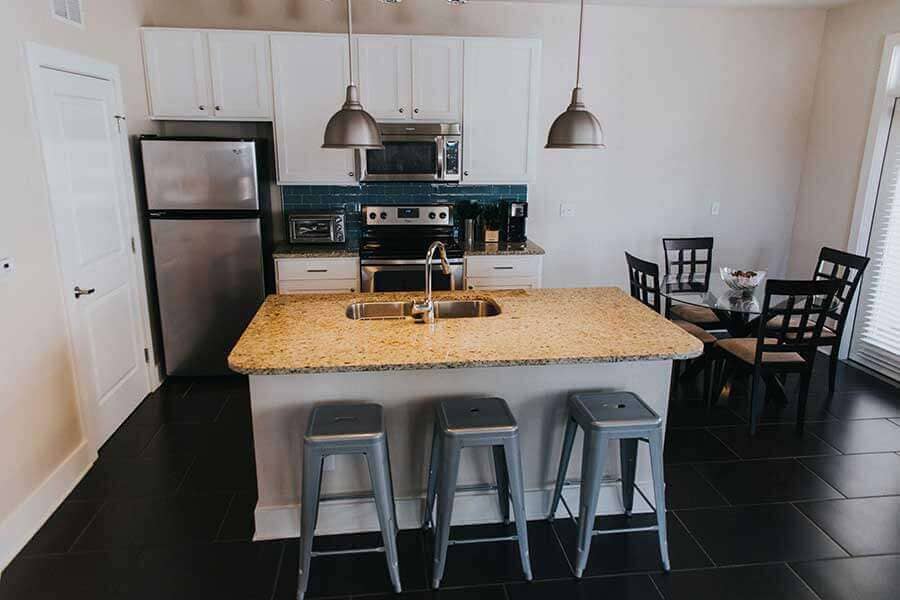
[[39, 422], [851, 58], [699, 106]]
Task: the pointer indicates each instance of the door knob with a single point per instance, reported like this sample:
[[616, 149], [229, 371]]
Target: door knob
[[80, 292]]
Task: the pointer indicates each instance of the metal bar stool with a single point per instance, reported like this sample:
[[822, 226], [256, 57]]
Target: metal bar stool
[[347, 429], [468, 423], [606, 416]]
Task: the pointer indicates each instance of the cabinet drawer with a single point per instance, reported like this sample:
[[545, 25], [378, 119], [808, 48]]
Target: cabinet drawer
[[502, 283], [503, 266], [316, 268], [316, 286]]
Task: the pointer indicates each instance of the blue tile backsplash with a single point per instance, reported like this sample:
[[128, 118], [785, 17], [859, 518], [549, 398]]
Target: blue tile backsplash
[[351, 197]]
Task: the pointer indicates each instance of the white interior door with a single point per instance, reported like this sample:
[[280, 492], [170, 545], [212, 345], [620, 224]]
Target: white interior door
[[85, 167]]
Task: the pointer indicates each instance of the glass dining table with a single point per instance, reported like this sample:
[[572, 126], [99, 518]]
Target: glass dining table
[[737, 311]]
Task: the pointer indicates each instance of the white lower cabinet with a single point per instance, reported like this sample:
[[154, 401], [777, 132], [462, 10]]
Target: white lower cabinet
[[503, 272], [316, 275]]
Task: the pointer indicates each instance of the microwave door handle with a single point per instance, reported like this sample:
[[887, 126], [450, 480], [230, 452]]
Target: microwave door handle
[[439, 140]]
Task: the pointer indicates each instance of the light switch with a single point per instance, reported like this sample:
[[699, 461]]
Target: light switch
[[566, 210], [328, 463], [715, 209]]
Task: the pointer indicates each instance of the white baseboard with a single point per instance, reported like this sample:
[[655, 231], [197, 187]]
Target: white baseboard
[[25, 521], [469, 508]]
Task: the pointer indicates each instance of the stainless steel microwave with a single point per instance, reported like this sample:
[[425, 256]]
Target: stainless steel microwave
[[316, 228], [414, 152]]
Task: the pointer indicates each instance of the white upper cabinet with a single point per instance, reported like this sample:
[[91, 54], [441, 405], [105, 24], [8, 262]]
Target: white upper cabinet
[[311, 73], [403, 78], [177, 71], [384, 77], [437, 78], [500, 110], [195, 74], [241, 80]]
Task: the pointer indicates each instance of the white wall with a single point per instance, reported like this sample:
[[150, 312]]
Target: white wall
[[851, 57], [699, 106], [39, 421]]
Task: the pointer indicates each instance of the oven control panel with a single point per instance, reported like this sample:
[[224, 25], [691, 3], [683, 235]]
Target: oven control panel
[[436, 214]]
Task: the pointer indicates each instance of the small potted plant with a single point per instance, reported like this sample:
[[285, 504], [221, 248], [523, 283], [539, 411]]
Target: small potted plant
[[490, 216]]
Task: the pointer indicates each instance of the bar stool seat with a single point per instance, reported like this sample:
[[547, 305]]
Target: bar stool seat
[[606, 416], [478, 422], [347, 429]]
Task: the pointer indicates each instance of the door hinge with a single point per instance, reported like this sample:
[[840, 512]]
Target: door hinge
[[133, 246], [146, 355], [119, 119]]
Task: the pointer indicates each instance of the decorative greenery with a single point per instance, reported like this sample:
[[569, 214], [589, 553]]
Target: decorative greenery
[[491, 215], [468, 210]]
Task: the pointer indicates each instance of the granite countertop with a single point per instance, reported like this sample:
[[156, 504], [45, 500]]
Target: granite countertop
[[506, 249], [286, 250], [311, 334]]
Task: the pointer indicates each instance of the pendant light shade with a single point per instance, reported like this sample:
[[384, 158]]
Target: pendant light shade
[[352, 126], [577, 127]]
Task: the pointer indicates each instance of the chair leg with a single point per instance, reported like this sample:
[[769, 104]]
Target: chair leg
[[803, 394], [431, 489], [379, 473], [591, 474], [502, 476], [309, 509], [726, 371], [832, 366], [659, 495], [628, 464], [757, 400], [708, 368], [449, 470], [517, 493], [568, 440]]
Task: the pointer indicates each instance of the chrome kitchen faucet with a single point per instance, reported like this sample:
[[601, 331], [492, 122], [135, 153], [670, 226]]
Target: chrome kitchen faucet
[[424, 311]]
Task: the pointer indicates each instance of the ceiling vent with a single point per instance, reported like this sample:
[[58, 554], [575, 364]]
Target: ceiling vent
[[68, 11]]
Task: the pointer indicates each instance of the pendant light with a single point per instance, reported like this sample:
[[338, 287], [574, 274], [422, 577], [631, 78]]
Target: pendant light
[[576, 127], [352, 126]]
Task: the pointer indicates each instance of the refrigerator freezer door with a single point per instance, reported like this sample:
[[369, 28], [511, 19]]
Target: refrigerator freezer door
[[209, 276], [200, 175]]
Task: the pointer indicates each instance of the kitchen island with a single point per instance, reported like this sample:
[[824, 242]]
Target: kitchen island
[[301, 350]]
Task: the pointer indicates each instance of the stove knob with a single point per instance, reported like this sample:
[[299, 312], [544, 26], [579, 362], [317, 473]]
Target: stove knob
[[431, 215], [372, 216], [443, 215], [384, 215]]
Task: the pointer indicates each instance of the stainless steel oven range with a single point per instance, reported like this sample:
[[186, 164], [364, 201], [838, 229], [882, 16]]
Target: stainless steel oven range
[[394, 242]]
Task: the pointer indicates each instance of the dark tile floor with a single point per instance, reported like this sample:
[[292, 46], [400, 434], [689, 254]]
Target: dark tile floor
[[166, 512]]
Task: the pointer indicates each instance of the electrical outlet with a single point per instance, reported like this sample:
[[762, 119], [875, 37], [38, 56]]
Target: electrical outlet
[[328, 463], [715, 209], [7, 267], [566, 210]]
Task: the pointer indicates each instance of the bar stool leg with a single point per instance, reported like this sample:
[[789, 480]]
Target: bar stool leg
[[659, 494], [568, 441], [446, 484], [433, 467], [517, 491], [502, 476], [591, 476], [309, 512], [384, 505], [628, 463]]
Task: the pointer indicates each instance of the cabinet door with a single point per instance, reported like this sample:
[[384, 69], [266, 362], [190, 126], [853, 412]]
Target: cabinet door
[[384, 76], [239, 68], [310, 74], [177, 69], [500, 110], [437, 78]]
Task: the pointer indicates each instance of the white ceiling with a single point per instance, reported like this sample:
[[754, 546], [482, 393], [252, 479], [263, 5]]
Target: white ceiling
[[701, 3]]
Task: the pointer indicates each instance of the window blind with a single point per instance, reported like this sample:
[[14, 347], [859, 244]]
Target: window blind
[[876, 335]]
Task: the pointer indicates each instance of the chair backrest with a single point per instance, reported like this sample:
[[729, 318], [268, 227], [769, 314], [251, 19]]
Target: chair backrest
[[793, 315], [848, 269], [643, 277], [689, 258]]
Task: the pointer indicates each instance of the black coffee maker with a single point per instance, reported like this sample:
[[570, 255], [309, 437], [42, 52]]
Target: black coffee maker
[[512, 221]]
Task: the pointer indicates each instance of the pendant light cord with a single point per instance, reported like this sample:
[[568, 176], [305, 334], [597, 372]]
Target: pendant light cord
[[350, 39], [580, 29]]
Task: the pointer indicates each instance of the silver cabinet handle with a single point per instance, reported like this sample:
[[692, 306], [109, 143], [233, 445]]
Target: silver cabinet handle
[[80, 292], [504, 268], [218, 107], [416, 110], [317, 270], [466, 173], [201, 107], [401, 111], [350, 174]]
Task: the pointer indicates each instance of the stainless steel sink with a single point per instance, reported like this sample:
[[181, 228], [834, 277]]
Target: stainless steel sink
[[443, 309]]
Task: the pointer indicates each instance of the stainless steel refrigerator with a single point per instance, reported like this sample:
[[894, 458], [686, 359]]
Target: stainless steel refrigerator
[[206, 225]]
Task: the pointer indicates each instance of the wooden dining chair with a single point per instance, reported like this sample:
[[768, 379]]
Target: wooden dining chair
[[643, 279], [690, 261], [794, 314]]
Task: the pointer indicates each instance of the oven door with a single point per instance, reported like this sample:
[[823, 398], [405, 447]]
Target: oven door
[[404, 158], [408, 276]]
